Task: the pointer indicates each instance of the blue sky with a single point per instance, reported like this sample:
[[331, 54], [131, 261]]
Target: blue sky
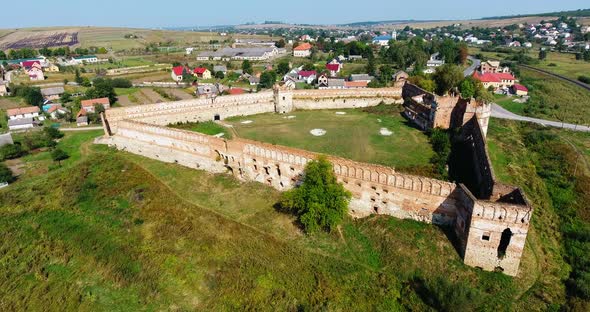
[[151, 13]]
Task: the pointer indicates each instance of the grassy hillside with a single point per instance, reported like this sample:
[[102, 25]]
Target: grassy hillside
[[114, 231]]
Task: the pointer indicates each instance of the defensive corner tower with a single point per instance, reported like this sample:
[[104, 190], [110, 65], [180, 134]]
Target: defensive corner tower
[[283, 97]]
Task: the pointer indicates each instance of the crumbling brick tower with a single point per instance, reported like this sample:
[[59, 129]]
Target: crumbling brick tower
[[493, 221], [283, 99]]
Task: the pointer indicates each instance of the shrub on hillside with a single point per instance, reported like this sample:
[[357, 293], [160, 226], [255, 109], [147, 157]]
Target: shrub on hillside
[[584, 79], [6, 174], [11, 151], [320, 202]]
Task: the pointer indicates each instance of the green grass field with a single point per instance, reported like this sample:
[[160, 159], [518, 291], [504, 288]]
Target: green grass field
[[555, 99], [118, 232], [355, 135], [207, 127]]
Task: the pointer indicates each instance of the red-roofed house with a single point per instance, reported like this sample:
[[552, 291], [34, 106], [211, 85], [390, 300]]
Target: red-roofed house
[[202, 73], [302, 50], [88, 105], [34, 70], [520, 90], [178, 72], [496, 80], [23, 112], [334, 68], [307, 75]]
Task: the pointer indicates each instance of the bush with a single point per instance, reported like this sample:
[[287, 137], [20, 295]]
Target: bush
[[6, 174], [53, 133], [441, 144], [320, 202], [11, 151], [121, 83], [584, 79]]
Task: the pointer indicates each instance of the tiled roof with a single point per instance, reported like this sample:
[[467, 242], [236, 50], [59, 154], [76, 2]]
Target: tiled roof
[[178, 70], [493, 77], [90, 103], [520, 87], [302, 47], [333, 67], [307, 73], [22, 110], [200, 70]]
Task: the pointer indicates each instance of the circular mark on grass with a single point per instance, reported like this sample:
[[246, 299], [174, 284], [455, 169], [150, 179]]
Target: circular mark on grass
[[317, 132], [385, 132], [340, 113], [247, 122]]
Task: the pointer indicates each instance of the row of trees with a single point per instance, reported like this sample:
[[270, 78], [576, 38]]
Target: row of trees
[[62, 51]]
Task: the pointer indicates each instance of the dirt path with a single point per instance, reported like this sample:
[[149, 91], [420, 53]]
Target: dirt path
[[152, 96], [124, 100], [179, 94]]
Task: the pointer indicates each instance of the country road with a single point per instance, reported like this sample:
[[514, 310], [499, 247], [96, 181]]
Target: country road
[[499, 112], [471, 69]]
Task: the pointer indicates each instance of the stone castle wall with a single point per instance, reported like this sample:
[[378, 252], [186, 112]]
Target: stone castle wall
[[376, 189]]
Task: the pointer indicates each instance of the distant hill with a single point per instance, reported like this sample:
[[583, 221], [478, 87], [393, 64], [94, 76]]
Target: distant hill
[[574, 13]]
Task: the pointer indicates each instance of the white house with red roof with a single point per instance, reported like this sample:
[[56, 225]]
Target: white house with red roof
[[308, 76], [496, 80], [88, 105], [23, 112], [34, 70], [178, 72], [302, 50], [202, 72], [520, 90], [334, 68]]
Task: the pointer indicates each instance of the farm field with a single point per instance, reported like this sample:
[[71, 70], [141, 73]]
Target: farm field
[[354, 135], [555, 99]]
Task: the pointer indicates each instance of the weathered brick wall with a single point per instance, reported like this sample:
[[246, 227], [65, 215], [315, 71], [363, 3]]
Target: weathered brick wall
[[376, 189]]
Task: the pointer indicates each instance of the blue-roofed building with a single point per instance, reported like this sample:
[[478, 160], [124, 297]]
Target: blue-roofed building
[[384, 39]]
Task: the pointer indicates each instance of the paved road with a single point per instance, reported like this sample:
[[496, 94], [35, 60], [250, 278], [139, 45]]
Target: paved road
[[475, 64], [499, 112]]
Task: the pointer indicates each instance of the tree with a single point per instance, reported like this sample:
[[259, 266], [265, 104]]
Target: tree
[[102, 88], [53, 133], [267, 79], [78, 78], [283, 67], [66, 97], [447, 77], [385, 74], [6, 174], [219, 75], [467, 88], [320, 202], [280, 44], [32, 95], [59, 155], [2, 55], [371, 65], [247, 67], [542, 54]]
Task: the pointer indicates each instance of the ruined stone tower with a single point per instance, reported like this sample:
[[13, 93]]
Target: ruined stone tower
[[283, 98]]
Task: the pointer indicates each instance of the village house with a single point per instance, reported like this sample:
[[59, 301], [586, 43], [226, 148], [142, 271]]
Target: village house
[[330, 83], [241, 54], [21, 124], [307, 76], [520, 90], [435, 61], [82, 121], [52, 94], [302, 50], [88, 105], [202, 72], [334, 68], [178, 72], [85, 59], [23, 112], [34, 70], [56, 111], [361, 77], [495, 80], [493, 67], [400, 76], [3, 89], [220, 68]]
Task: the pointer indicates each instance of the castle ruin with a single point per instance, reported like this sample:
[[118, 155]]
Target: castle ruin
[[490, 219]]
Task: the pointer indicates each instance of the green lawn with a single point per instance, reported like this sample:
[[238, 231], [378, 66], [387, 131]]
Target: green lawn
[[509, 104], [207, 127], [555, 99], [355, 135]]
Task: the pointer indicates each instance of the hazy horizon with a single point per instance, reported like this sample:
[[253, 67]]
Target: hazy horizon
[[185, 13]]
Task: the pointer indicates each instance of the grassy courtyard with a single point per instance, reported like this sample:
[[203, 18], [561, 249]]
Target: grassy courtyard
[[354, 135]]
